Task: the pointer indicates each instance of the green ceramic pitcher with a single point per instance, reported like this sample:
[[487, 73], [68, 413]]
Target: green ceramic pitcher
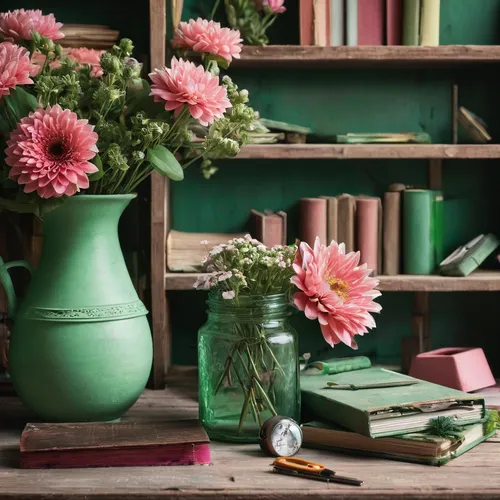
[[80, 348]]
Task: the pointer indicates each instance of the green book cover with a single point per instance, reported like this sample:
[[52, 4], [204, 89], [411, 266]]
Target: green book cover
[[419, 246], [438, 225], [337, 365], [411, 22], [422, 447], [386, 411]]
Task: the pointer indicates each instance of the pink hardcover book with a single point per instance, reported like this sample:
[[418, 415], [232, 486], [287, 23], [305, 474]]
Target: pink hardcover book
[[367, 231], [371, 22], [394, 22], [313, 220], [306, 22], [123, 444]]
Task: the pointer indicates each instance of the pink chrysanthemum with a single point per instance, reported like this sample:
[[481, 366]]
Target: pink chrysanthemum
[[18, 24], [336, 291], [15, 67], [208, 36], [49, 152], [88, 56], [185, 83], [276, 6]]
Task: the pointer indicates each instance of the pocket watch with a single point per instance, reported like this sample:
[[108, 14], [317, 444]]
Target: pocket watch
[[280, 436]]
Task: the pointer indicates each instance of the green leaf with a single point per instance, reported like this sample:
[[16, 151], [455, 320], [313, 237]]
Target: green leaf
[[21, 103], [97, 175], [165, 163]]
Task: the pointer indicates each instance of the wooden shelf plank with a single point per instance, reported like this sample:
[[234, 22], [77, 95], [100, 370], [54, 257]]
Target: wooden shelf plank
[[296, 55], [369, 151], [487, 281]]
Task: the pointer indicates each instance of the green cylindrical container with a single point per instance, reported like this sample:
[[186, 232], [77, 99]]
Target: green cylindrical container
[[418, 231], [81, 347], [248, 366]]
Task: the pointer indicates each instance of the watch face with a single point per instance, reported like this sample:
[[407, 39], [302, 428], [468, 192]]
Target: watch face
[[286, 438]]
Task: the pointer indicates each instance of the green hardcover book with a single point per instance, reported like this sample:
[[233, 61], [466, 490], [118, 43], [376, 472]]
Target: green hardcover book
[[438, 225], [418, 231], [337, 365], [469, 257], [422, 447], [386, 411], [384, 138], [411, 22]]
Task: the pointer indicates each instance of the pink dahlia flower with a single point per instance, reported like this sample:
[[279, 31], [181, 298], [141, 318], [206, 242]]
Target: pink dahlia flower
[[88, 56], [18, 24], [15, 67], [276, 6], [49, 152], [185, 83], [336, 291], [208, 36]]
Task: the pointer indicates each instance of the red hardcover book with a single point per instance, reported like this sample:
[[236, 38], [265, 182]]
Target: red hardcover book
[[313, 220], [306, 22], [122, 444], [368, 229], [268, 227], [371, 22], [394, 22]]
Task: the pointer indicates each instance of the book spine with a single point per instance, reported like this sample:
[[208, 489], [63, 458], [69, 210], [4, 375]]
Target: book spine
[[367, 224], [337, 36], [411, 22], [429, 22], [345, 228], [392, 233], [438, 214], [351, 22], [332, 220], [320, 22], [418, 231], [306, 22], [371, 22], [394, 22], [312, 221]]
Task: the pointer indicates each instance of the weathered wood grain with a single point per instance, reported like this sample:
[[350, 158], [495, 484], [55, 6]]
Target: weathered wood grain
[[487, 281], [369, 151], [239, 472], [159, 221], [299, 56]]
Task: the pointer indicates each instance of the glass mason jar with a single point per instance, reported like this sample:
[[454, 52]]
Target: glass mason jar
[[248, 366]]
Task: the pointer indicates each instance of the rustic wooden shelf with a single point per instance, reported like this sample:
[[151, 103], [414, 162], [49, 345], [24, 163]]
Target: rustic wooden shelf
[[480, 281], [296, 55], [369, 151]]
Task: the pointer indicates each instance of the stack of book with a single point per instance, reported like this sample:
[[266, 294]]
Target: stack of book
[[369, 22], [402, 234], [355, 221], [90, 36], [378, 412]]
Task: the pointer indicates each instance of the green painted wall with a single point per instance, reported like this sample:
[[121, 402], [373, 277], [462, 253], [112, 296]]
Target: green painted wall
[[359, 100]]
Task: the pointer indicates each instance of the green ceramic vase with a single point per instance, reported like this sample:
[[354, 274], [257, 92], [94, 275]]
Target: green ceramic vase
[[81, 347]]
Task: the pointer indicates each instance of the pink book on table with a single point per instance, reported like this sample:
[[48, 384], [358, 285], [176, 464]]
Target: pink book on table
[[394, 22], [371, 22], [367, 231]]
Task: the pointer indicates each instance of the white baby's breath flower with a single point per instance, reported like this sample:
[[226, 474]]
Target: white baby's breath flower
[[282, 264], [228, 295], [204, 259], [261, 248], [203, 282], [255, 242], [204, 242], [248, 237], [224, 276], [217, 250]]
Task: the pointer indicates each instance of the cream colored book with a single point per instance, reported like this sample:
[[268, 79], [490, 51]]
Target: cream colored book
[[429, 22], [185, 251]]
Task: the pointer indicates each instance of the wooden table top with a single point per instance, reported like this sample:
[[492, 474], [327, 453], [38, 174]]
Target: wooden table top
[[239, 471]]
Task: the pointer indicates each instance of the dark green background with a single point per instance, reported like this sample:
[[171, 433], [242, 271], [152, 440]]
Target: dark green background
[[338, 101]]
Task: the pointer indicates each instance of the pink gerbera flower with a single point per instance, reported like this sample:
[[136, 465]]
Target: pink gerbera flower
[[19, 24], [184, 83], [49, 152], [208, 36], [88, 56], [15, 67], [336, 291], [276, 6]]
